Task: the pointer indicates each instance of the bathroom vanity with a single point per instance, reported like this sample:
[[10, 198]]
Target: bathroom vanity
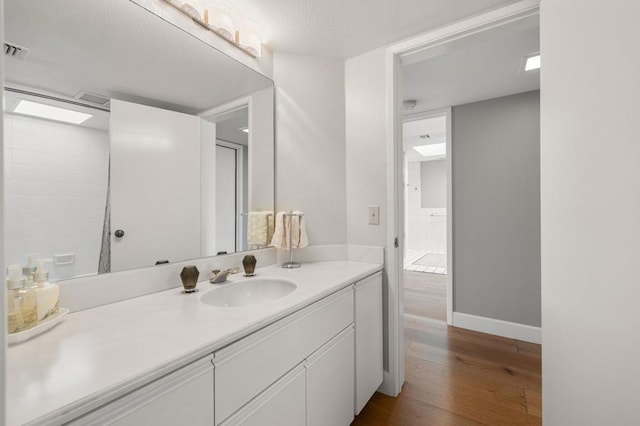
[[312, 356]]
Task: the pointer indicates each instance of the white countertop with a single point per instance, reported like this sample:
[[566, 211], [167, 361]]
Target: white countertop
[[99, 354]]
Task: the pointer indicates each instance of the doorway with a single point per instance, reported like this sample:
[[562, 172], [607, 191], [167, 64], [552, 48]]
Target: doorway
[[435, 43], [225, 166], [425, 139]]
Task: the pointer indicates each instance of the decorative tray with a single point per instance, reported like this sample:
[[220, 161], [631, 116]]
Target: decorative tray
[[21, 336]]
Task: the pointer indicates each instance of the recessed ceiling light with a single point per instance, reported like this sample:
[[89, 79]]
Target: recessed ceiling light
[[244, 129], [432, 150], [532, 63], [50, 112]]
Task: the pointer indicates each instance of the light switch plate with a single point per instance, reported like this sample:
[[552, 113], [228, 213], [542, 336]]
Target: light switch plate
[[374, 215]]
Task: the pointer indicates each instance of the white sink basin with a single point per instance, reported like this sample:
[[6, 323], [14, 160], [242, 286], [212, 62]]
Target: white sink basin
[[248, 292]]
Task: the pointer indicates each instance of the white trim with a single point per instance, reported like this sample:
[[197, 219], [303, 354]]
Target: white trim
[[241, 240], [225, 108], [512, 330], [3, 317], [450, 248], [394, 378]]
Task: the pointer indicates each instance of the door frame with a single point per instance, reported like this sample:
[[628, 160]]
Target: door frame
[[211, 115], [240, 208], [446, 112], [395, 222]]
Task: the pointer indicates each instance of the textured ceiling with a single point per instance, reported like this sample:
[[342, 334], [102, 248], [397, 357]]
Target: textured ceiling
[[346, 28]]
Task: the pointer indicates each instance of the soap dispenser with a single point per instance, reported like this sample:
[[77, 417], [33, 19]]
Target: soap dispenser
[[22, 302], [48, 294], [30, 270]]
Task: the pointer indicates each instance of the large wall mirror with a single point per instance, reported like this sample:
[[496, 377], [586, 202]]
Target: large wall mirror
[[128, 141]]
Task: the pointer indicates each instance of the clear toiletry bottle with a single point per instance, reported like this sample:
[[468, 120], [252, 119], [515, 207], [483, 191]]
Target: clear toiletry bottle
[[29, 270], [48, 294], [15, 281], [23, 300]]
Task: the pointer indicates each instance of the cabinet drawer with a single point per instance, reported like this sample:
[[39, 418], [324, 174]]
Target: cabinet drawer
[[282, 404], [246, 368], [182, 397]]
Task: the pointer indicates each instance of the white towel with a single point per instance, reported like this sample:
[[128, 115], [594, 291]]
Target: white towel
[[299, 237], [258, 224], [284, 224]]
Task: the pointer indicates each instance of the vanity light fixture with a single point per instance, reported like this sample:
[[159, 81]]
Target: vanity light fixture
[[222, 19], [532, 62], [49, 112]]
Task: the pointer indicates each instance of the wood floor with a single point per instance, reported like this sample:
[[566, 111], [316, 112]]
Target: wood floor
[[425, 295], [460, 377]]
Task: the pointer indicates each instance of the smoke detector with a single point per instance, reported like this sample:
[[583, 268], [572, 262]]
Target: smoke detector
[[409, 105]]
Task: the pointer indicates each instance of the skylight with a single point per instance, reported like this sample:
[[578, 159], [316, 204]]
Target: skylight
[[432, 150], [49, 112], [533, 62]]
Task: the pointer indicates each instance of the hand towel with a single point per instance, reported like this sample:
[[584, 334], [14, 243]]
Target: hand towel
[[278, 240], [299, 232], [286, 225], [258, 229]]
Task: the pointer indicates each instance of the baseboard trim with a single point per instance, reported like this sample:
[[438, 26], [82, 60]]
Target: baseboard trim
[[497, 327], [387, 387]]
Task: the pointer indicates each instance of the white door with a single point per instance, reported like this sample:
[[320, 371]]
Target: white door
[[155, 185], [330, 382], [226, 198]]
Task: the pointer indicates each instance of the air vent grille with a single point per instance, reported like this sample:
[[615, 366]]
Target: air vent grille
[[15, 51], [93, 98]]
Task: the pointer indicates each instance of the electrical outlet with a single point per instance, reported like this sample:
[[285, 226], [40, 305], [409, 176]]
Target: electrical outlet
[[374, 215]]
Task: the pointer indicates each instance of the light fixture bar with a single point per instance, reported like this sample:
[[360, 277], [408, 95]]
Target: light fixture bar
[[49, 112], [532, 63]]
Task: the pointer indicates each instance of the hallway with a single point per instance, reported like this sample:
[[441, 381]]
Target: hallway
[[460, 377]]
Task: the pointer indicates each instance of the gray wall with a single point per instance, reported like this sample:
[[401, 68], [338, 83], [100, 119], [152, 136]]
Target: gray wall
[[496, 208], [433, 179]]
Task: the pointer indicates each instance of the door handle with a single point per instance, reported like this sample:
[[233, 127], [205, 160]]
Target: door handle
[[119, 233]]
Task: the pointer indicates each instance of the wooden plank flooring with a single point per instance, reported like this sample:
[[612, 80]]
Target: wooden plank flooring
[[425, 295], [460, 377]]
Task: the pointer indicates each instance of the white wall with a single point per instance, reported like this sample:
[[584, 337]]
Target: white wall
[[366, 151], [55, 188], [590, 209], [310, 143], [261, 151], [3, 324], [426, 227], [366, 147]]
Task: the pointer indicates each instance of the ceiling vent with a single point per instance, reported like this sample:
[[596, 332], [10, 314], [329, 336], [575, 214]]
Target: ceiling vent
[[92, 98], [15, 51]]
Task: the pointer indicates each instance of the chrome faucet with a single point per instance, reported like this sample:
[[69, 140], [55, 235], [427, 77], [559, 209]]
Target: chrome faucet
[[221, 276]]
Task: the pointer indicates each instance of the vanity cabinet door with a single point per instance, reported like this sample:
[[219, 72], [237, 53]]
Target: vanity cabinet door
[[246, 368], [330, 382], [184, 397], [282, 404], [368, 323]]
